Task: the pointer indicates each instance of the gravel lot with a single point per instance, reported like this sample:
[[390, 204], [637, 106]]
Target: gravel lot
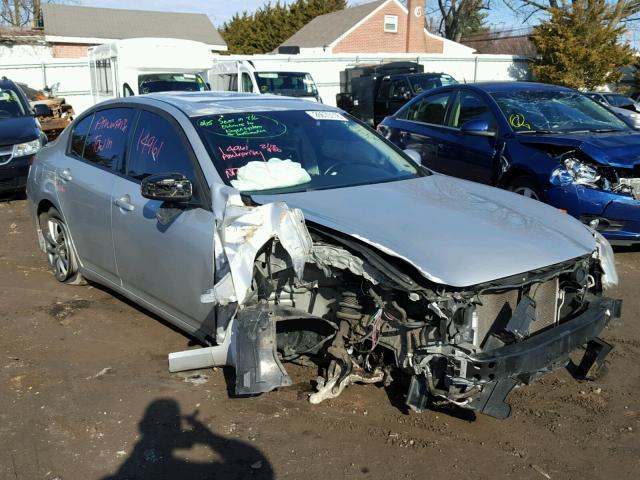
[[85, 394]]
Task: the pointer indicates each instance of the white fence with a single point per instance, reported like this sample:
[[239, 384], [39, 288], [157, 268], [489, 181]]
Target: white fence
[[73, 75]]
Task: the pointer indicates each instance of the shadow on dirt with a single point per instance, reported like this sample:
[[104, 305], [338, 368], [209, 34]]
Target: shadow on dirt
[[162, 433], [12, 196]]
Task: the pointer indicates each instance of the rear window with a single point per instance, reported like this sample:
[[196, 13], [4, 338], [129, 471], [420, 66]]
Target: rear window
[[171, 82], [422, 83]]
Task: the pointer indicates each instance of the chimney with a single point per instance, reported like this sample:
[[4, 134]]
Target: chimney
[[416, 42]]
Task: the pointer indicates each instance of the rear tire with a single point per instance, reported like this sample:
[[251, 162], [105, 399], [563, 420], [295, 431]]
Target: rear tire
[[527, 187], [60, 254]]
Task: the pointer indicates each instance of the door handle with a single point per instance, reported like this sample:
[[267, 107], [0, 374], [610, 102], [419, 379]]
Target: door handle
[[65, 175], [124, 203]]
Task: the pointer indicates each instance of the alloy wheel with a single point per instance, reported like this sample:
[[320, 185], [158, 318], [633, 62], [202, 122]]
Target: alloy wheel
[[526, 192], [58, 248]]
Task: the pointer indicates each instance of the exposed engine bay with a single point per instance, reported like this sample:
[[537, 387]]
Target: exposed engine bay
[[579, 169], [374, 323], [291, 290]]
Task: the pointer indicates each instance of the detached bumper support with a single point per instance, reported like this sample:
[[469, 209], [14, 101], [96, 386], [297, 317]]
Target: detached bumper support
[[593, 360]]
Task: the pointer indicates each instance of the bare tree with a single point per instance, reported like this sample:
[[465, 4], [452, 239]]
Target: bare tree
[[621, 10], [23, 13], [458, 18]]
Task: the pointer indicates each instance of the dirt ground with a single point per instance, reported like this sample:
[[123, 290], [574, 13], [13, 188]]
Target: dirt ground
[[85, 394]]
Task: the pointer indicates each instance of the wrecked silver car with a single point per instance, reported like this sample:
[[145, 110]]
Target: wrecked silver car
[[273, 229]]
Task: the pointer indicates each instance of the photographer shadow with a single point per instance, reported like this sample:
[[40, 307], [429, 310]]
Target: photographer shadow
[[153, 457]]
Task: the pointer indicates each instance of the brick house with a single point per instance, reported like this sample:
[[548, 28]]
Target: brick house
[[70, 30], [382, 26]]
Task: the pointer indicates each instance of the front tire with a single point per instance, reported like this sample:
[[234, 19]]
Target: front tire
[[60, 254], [527, 187]]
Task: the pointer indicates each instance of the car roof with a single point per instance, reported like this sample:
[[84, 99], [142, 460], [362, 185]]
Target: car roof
[[5, 82], [494, 87], [195, 104]]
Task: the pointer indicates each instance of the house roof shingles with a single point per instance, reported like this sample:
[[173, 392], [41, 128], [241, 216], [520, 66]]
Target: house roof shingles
[[111, 23], [325, 29]]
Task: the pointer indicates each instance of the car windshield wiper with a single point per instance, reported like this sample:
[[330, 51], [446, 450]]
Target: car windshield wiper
[[538, 132], [604, 130]]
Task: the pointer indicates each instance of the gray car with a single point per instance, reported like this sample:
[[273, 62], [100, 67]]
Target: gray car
[[273, 228]]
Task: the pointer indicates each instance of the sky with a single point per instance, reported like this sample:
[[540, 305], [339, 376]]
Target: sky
[[221, 10]]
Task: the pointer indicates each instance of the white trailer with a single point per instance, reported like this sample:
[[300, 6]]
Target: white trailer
[[243, 76], [144, 65]]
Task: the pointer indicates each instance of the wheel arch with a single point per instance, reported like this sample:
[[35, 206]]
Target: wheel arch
[[516, 172]]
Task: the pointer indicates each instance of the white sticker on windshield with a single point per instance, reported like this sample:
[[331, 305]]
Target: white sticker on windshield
[[326, 115], [189, 75], [267, 75]]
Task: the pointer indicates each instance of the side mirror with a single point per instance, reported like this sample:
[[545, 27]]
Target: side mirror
[[479, 128], [167, 187], [413, 155], [42, 110]]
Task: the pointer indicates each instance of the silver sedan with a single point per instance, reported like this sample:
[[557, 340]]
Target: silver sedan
[[273, 228]]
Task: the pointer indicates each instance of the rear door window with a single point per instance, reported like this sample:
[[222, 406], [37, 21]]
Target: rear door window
[[107, 139], [157, 147]]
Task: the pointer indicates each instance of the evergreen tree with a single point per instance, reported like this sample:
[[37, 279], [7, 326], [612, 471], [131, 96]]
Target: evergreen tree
[[580, 47], [270, 25]]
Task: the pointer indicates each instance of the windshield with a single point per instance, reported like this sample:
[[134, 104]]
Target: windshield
[[10, 104], [171, 82], [420, 83], [618, 100], [557, 111], [292, 84], [295, 151]]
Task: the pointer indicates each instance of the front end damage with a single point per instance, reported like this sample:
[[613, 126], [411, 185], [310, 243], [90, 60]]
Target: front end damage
[[287, 290], [605, 197]]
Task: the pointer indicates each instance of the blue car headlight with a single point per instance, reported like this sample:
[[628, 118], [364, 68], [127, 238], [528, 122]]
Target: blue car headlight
[[572, 170]]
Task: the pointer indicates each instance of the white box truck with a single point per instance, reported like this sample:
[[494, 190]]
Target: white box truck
[[243, 76], [137, 66]]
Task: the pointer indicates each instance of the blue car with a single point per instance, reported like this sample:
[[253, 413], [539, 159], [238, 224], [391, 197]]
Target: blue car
[[549, 143], [20, 136]]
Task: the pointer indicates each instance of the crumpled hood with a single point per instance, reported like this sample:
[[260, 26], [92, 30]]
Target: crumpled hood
[[17, 130], [454, 232], [614, 149]]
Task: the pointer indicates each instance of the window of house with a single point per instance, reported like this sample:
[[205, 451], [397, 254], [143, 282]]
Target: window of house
[[391, 23]]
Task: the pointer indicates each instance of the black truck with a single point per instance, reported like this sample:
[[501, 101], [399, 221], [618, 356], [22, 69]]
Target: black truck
[[372, 92]]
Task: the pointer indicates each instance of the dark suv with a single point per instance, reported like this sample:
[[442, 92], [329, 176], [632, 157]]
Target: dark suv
[[20, 137]]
